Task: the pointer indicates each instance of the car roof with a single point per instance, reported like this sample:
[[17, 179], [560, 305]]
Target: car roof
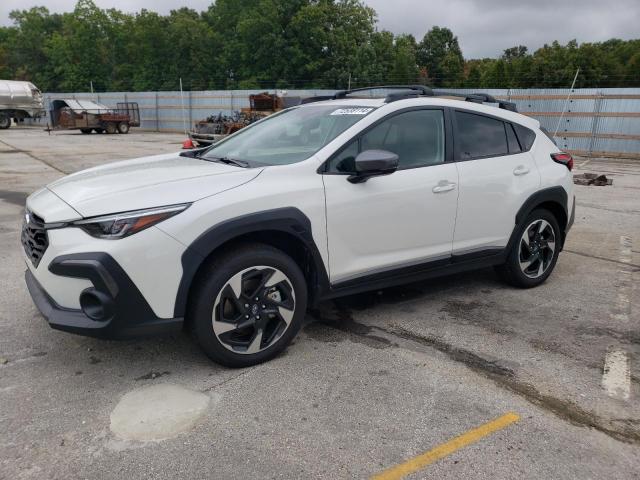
[[487, 109]]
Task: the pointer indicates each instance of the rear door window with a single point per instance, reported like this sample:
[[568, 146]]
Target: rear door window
[[478, 136]]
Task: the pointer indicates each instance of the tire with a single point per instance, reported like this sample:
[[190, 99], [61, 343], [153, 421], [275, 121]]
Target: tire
[[111, 128], [217, 313], [123, 127], [533, 256], [5, 121], [85, 130]]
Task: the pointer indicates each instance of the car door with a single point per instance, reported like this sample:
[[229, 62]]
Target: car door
[[496, 176], [396, 220]]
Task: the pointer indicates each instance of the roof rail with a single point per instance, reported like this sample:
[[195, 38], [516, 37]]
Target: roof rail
[[478, 98], [414, 91], [317, 98]]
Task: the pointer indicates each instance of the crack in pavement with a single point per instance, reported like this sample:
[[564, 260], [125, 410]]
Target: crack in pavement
[[604, 259], [501, 375]]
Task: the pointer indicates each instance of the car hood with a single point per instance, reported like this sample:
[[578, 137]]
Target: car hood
[[147, 182]]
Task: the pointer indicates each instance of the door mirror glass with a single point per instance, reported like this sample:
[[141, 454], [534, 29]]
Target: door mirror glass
[[373, 163]]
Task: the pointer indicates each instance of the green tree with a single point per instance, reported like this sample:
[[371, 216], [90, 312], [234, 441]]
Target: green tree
[[439, 52], [405, 69]]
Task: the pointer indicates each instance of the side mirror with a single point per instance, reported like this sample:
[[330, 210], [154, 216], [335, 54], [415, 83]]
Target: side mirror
[[373, 163]]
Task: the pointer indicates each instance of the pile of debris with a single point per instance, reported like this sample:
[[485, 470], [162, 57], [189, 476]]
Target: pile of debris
[[592, 179], [215, 127]]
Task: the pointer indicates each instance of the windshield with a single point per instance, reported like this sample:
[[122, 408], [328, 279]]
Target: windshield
[[290, 136]]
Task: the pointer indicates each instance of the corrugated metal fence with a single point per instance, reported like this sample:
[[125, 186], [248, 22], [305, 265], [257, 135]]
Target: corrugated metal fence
[[597, 122]]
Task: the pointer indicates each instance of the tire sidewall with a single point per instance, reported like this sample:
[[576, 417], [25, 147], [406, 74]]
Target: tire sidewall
[[514, 255], [212, 283]]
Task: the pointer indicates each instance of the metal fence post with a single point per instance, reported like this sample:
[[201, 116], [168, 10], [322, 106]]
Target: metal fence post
[[594, 123], [157, 113], [190, 110]]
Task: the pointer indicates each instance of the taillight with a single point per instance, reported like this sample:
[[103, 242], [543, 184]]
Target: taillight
[[563, 159]]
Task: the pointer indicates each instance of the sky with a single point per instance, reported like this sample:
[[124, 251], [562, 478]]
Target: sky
[[484, 27]]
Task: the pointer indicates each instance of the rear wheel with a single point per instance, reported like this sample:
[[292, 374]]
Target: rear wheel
[[535, 253], [85, 130], [111, 127], [5, 121], [123, 127], [248, 305]]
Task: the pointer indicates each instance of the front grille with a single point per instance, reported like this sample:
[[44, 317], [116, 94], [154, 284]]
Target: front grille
[[34, 237]]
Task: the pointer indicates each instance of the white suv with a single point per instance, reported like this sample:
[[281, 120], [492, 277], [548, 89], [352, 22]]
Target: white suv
[[325, 199]]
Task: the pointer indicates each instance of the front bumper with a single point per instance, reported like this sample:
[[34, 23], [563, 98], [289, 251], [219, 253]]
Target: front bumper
[[125, 312]]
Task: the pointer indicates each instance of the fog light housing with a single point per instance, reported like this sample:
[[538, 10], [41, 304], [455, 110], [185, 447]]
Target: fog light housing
[[96, 305]]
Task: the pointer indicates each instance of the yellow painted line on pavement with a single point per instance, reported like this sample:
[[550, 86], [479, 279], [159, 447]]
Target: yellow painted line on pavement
[[427, 458]]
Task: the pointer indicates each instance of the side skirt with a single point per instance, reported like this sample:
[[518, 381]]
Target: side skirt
[[415, 273]]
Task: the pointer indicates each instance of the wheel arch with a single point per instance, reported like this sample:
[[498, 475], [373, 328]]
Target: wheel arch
[[287, 229], [553, 199]]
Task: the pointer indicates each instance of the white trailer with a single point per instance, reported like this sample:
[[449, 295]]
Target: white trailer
[[19, 100]]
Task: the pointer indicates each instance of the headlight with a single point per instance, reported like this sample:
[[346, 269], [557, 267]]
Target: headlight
[[120, 225]]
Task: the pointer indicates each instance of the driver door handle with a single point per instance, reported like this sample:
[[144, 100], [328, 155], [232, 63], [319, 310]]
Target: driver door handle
[[444, 186], [520, 170]]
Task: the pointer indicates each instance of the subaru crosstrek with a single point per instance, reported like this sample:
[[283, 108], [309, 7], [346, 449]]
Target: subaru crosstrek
[[325, 199]]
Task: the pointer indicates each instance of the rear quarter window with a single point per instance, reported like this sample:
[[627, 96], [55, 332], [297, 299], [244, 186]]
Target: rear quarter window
[[526, 136]]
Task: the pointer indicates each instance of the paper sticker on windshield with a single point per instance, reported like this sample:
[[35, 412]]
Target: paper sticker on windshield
[[352, 111]]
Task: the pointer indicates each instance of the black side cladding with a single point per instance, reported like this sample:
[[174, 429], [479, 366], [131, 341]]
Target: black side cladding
[[289, 220]]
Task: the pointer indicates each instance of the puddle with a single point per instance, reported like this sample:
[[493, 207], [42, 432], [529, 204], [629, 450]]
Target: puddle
[[157, 412]]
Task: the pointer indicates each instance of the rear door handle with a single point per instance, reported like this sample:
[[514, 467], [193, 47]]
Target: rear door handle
[[444, 186], [520, 170]]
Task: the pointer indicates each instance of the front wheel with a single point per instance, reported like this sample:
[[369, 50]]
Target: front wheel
[[248, 305], [534, 254]]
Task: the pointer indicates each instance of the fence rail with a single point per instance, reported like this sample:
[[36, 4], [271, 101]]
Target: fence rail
[[597, 122]]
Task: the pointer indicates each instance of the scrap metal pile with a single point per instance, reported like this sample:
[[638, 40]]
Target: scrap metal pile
[[216, 127]]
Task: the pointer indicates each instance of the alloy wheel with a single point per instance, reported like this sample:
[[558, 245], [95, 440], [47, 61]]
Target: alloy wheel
[[537, 248], [253, 309]]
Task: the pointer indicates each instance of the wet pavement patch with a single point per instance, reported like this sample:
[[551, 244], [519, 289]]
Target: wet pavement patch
[[157, 412], [16, 198]]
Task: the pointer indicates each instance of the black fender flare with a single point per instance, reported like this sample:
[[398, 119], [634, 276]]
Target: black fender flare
[[289, 220], [556, 195]]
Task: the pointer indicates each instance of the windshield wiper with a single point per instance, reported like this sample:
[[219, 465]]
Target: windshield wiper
[[229, 161]]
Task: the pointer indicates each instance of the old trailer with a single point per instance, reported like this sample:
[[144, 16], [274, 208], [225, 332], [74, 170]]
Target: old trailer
[[19, 100], [88, 116]]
